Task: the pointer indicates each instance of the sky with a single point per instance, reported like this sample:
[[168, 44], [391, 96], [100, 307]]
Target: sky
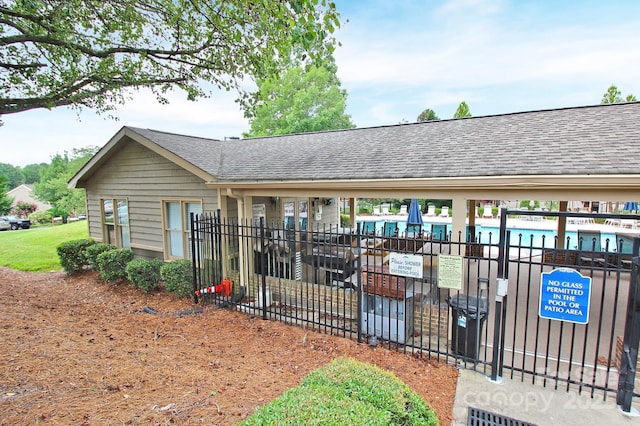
[[398, 58]]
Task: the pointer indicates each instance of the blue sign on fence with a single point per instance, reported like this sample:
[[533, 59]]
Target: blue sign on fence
[[565, 296]]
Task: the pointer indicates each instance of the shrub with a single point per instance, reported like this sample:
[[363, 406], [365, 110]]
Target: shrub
[[347, 391], [112, 264], [72, 254], [56, 212], [345, 220], [144, 274], [178, 277], [40, 218], [93, 251]]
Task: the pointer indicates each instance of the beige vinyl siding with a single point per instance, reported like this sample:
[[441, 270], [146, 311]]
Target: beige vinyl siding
[[145, 179]]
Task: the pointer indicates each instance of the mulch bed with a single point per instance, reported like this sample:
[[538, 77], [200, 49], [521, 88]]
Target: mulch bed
[[77, 350]]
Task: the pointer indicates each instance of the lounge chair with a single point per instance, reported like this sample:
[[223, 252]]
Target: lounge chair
[[368, 228], [403, 209], [627, 223], [439, 232], [487, 211], [390, 229], [431, 211], [624, 249], [376, 211], [413, 231], [385, 209], [445, 211], [589, 243]]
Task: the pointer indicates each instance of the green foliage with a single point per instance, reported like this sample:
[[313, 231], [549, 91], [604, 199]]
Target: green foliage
[[144, 274], [347, 392], [72, 254], [613, 96], [345, 220], [32, 172], [93, 251], [55, 212], [462, 111], [91, 54], [53, 188], [14, 175], [5, 200], [178, 277], [112, 264], [35, 250], [300, 101], [40, 217], [428, 115]]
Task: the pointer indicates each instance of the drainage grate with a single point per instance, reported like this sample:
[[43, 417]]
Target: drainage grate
[[478, 417]]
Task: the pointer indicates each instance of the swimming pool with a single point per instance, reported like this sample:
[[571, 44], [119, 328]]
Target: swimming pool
[[536, 238]]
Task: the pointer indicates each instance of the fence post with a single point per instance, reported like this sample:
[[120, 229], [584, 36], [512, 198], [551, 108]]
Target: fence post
[[194, 249], [501, 299], [631, 337], [359, 280], [263, 274]]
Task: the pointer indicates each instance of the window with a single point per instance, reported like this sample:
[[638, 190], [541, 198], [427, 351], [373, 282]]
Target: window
[[177, 227], [115, 222]]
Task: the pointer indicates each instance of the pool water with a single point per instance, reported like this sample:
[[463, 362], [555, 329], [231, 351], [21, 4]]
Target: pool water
[[535, 238]]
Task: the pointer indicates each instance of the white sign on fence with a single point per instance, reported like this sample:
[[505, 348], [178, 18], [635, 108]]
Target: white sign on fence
[[450, 271], [406, 265]]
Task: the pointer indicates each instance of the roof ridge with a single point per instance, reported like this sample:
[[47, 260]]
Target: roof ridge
[[173, 133], [505, 114]]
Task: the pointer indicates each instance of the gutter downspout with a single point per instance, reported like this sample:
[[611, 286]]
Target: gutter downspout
[[241, 219]]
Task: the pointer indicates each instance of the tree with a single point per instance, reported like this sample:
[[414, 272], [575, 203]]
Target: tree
[[613, 96], [302, 100], [52, 187], [82, 53], [462, 111], [428, 115], [14, 175], [32, 172], [5, 200]]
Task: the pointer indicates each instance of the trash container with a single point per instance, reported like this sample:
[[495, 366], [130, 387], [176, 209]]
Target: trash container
[[469, 315]]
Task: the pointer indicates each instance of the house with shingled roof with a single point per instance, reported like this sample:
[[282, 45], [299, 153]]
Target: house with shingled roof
[[142, 184]]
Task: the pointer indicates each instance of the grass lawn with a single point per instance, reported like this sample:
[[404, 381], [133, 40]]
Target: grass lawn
[[35, 249]]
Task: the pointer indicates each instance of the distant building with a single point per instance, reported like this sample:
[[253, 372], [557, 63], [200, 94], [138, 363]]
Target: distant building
[[24, 193]]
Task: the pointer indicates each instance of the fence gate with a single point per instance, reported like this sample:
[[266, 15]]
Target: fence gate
[[570, 315]]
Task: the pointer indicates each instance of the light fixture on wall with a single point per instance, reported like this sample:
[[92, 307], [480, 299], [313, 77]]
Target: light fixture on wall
[[328, 201], [275, 200]]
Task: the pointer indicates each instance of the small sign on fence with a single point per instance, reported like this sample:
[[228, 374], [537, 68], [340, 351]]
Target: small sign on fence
[[405, 265], [450, 271], [565, 295]]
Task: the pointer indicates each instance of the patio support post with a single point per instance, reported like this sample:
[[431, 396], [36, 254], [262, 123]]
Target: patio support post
[[242, 214], [459, 219], [352, 212], [562, 225]]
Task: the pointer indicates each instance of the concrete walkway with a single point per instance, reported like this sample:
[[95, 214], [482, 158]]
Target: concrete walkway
[[533, 403]]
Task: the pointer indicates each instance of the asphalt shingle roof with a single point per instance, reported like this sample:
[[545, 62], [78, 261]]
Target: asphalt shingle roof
[[602, 139]]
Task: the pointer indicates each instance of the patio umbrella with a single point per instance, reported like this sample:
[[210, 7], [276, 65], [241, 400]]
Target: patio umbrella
[[631, 205], [415, 214]]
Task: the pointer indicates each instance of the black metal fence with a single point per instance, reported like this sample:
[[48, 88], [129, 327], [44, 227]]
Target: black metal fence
[[338, 281], [342, 281], [563, 352]]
